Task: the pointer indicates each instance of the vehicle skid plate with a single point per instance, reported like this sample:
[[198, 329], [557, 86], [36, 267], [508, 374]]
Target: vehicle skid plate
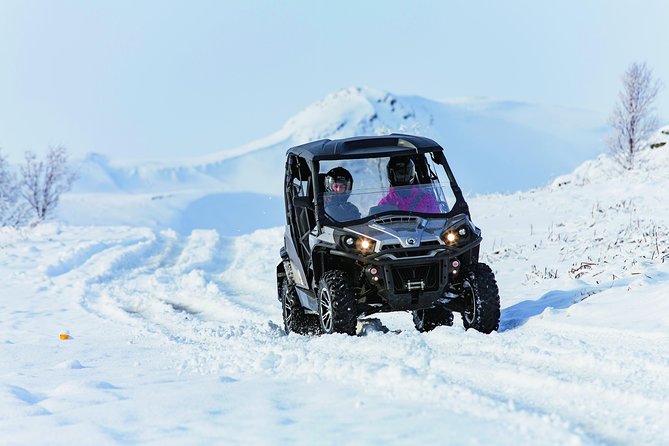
[[413, 300]]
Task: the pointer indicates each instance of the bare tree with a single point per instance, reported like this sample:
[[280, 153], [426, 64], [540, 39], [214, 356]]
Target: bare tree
[[43, 182], [12, 211], [633, 118]]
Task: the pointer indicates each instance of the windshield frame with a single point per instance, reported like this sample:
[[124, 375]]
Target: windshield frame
[[439, 159]]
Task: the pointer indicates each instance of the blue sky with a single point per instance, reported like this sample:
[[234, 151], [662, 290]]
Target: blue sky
[[152, 79]]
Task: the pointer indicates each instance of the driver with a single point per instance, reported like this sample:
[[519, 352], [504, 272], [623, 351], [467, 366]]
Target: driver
[[405, 194], [338, 186]]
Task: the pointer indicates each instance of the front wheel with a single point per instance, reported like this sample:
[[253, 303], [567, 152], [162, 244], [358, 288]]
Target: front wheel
[[336, 304], [481, 299], [294, 318]]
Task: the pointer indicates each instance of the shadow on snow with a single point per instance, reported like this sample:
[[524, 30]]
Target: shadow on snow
[[518, 314]]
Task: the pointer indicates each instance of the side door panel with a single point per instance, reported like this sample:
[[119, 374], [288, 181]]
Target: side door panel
[[300, 221]]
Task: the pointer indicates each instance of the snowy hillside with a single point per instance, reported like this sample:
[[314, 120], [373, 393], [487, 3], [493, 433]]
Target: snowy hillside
[[176, 338], [493, 146], [503, 138]]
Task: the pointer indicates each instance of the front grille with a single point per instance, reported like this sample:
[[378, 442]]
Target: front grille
[[397, 220], [415, 252], [429, 274], [393, 246]]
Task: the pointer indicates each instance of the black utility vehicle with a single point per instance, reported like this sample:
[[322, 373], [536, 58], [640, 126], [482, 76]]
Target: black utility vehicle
[[400, 240]]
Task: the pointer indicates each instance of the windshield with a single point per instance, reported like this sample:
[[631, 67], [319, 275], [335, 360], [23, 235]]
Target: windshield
[[371, 192]]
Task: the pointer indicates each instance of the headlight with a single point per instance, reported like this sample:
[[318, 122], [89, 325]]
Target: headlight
[[456, 236], [458, 233], [355, 243]]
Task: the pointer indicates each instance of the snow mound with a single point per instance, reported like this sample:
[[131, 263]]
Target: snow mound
[[599, 170], [650, 166], [72, 364]]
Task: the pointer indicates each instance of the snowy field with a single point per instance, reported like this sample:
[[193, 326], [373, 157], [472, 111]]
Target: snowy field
[[176, 338]]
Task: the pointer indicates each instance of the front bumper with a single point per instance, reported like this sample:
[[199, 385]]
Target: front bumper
[[414, 278]]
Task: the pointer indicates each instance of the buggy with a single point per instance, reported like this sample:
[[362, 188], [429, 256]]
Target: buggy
[[388, 251]]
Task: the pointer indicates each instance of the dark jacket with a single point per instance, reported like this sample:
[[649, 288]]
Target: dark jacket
[[342, 211]]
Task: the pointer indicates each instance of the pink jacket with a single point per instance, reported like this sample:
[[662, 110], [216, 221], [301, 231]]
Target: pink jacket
[[411, 199]]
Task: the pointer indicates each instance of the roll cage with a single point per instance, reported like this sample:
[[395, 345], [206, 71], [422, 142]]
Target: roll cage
[[304, 182]]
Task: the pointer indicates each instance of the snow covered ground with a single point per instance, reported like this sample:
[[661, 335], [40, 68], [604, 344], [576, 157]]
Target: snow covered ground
[[176, 338]]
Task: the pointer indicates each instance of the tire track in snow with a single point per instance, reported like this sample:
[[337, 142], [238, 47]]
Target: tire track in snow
[[399, 365], [81, 254], [448, 365], [565, 377], [457, 369], [190, 293], [106, 261], [249, 277], [155, 281], [524, 381], [95, 276]]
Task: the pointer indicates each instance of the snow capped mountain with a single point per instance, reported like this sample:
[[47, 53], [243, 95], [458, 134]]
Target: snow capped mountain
[[493, 146]]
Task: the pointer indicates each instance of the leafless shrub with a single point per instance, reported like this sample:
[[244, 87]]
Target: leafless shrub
[[12, 211], [578, 271], [43, 182], [537, 274], [633, 118]]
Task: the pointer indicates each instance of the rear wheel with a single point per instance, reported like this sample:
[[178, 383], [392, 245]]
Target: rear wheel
[[481, 297], [294, 318], [336, 304], [431, 318]]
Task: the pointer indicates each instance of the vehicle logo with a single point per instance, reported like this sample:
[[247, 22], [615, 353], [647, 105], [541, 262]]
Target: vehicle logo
[[411, 241]]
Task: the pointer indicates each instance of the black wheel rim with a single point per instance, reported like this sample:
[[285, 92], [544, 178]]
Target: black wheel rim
[[326, 310], [470, 303], [287, 313]]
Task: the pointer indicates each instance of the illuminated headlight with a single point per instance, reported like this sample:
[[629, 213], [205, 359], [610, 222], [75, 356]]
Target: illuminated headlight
[[365, 245], [353, 243], [458, 234]]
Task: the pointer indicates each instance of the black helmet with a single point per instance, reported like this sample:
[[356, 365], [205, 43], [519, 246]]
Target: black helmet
[[401, 171], [340, 176]]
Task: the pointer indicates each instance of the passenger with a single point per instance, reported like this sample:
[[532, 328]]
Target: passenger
[[338, 186], [404, 193]]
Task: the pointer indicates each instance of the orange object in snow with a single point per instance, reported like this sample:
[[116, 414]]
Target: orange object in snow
[[64, 336]]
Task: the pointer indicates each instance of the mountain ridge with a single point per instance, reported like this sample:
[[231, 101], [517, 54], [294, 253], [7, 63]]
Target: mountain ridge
[[479, 136]]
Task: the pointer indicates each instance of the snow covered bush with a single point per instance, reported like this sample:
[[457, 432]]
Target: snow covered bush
[[12, 211], [43, 182]]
